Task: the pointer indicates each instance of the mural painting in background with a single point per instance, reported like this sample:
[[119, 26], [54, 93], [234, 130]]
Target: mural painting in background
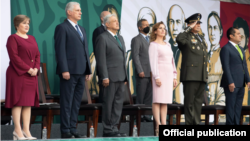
[[46, 14]]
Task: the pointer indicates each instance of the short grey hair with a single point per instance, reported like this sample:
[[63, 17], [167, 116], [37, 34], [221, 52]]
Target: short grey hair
[[106, 18], [70, 6]]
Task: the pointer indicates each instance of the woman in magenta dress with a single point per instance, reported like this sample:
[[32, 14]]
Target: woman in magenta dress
[[21, 76], [163, 73]]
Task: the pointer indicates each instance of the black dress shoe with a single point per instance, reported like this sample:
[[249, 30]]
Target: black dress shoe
[[112, 135], [67, 135], [147, 119], [77, 135]]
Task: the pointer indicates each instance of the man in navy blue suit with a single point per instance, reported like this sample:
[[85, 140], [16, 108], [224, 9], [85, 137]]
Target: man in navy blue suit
[[73, 68], [235, 75]]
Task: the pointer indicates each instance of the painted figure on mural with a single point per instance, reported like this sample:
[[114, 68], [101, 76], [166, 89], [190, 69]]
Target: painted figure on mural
[[215, 32], [148, 14], [244, 31], [176, 24]]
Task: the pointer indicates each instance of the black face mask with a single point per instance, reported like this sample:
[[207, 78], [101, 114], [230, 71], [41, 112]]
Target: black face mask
[[146, 30]]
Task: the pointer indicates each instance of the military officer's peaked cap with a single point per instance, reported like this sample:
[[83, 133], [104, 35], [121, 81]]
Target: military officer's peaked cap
[[193, 18]]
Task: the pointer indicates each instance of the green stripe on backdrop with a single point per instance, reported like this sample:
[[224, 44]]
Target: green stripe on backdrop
[[45, 15]]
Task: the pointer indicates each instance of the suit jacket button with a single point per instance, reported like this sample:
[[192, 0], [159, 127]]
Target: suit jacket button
[[31, 60]]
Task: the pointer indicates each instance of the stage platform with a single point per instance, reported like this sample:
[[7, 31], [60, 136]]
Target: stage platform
[[107, 139], [146, 132]]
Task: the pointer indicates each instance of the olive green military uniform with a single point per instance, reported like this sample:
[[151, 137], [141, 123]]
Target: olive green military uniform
[[193, 73]]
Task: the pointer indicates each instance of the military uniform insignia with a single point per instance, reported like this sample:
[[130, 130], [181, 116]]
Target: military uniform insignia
[[194, 41], [193, 47], [205, 42], [198, 48], [192, 36]]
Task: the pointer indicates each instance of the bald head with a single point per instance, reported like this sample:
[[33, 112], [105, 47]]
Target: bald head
[[175, 21], [104, 14]]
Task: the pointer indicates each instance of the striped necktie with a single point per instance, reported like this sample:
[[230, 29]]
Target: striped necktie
[[77, 29]]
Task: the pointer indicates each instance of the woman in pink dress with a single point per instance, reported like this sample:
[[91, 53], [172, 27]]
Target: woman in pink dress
[[21, 77], [163, 73]]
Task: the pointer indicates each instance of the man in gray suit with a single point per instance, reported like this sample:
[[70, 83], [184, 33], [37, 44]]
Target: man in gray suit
[[139, 52], [111, 67]]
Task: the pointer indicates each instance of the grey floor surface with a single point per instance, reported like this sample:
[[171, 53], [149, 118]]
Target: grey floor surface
[[146, 130]]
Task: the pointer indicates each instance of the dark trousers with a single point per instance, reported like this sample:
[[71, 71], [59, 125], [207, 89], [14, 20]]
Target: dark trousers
[[193, 98], [144, 91], [112, 103], [71, 92], [100, 92], [233, 105]]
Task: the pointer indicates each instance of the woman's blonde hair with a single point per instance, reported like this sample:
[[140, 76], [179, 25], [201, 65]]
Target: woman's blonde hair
[[154, 28]]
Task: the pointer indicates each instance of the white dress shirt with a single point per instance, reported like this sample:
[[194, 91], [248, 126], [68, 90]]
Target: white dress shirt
[[233, 44], [74, 25], [112, 33], [144, 36]]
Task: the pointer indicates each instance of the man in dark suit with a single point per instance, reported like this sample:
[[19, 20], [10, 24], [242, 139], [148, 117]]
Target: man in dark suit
[[139, 52], [235, 75], [193, 68], [73, 68], [111, 67], [99, 30]]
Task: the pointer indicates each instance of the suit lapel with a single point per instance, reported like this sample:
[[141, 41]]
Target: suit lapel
[[236, 51], [143, 39], [114, 40], [74, 30], [123, 45], [204, 42]]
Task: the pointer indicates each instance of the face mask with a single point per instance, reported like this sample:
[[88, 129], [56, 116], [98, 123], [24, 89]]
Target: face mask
[[146, 30]]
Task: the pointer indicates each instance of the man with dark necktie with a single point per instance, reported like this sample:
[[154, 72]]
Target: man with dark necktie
[[111, 67], [73, 68], [139, 52]]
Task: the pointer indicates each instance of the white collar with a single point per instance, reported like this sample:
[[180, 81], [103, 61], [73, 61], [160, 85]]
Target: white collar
[[104, 26], [73, 24], [112, 33], [143, 35], [233, 43]]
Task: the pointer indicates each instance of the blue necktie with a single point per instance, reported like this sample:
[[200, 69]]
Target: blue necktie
[[147, 39], [77, 29]]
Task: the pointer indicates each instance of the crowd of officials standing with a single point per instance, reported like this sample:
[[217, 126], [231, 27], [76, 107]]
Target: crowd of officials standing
[[156, 74]]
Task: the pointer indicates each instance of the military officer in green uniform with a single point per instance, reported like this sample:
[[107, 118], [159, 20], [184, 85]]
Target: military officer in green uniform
[[193, 68]]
